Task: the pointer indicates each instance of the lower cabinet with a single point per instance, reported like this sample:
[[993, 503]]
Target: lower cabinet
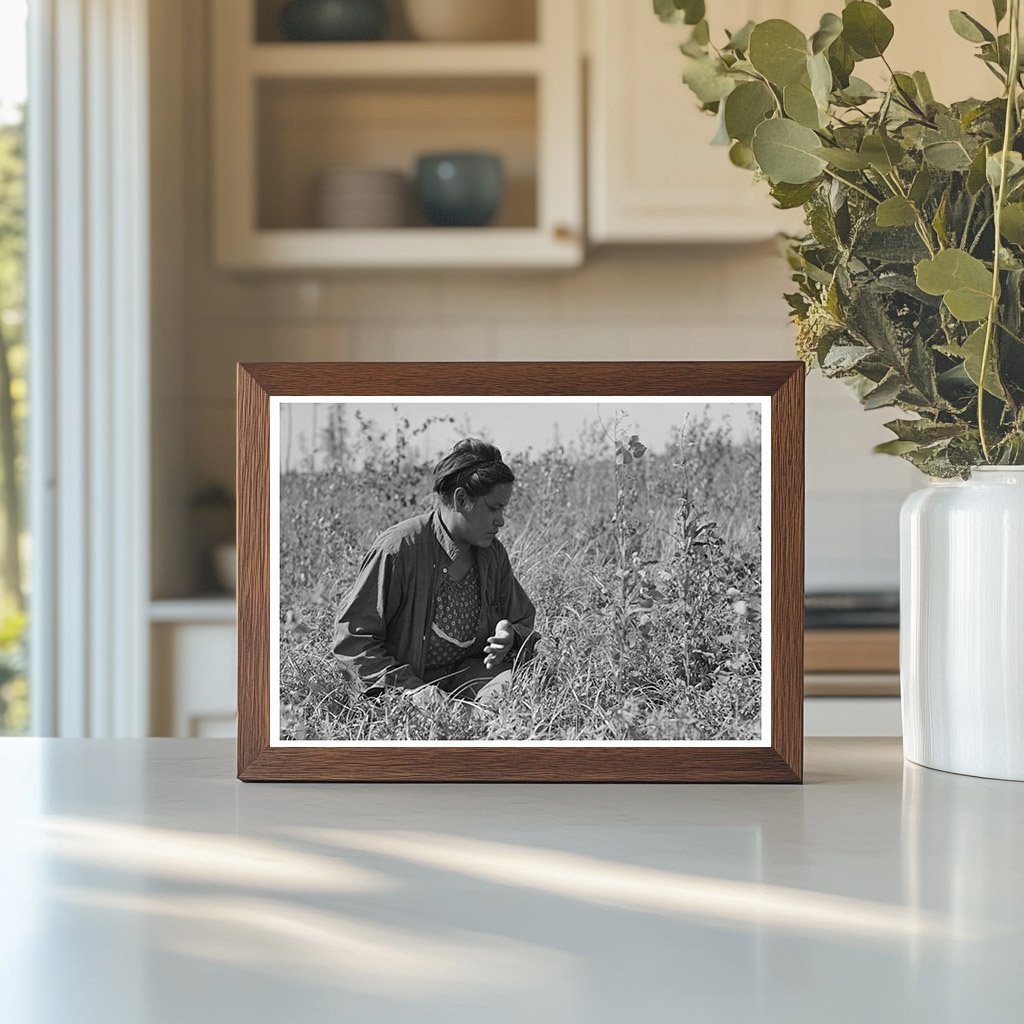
[[192, 675], [852, 716]]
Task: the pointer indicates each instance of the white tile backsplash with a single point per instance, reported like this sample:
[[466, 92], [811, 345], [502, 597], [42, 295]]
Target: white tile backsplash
[[718, 302]]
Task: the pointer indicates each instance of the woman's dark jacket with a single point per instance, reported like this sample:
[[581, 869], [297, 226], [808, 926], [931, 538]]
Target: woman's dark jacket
[[383, 622]]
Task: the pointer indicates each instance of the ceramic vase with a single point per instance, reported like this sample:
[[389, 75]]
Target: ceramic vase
[[334, 20], [962, 624], [460, 189]]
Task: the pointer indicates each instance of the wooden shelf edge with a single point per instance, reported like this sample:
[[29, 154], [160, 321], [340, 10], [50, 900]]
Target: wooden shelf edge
[[392, 60], [318, 248]]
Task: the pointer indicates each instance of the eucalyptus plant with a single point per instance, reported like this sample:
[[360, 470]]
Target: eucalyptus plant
[[910, 278]]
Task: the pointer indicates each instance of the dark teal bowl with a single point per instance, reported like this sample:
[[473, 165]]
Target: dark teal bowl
[[332, 21], [461, 190]]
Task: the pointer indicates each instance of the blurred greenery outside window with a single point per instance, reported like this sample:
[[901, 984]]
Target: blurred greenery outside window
[[14, 548]]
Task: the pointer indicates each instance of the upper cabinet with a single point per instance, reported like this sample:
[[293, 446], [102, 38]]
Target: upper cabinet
[[317, 145], [653, 174]]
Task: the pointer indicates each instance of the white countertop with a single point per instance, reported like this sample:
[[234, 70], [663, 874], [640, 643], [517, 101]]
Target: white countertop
[[143, 884]]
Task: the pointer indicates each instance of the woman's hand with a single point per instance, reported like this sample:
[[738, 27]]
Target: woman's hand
[[499, 645], [426, 696]]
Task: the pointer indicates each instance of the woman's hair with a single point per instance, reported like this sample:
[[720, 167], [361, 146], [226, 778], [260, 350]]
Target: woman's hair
[[474, 465]]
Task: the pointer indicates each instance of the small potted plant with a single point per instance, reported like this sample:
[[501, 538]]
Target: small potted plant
[[908, 289]]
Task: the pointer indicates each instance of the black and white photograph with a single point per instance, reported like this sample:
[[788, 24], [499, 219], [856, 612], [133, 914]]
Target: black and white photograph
[[520, 570]]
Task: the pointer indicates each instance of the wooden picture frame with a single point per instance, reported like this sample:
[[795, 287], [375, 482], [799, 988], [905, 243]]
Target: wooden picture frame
[[775, 756]]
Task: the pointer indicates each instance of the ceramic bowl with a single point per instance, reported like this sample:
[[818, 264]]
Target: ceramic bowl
[[470, 20], [460, 189], [334, 20], [361, 197], [225, 566]]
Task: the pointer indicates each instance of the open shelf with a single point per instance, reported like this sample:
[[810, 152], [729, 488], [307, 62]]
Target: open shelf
[[287, 113], [308, 127]]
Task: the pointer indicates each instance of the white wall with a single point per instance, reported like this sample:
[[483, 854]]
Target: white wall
[[719, 302]]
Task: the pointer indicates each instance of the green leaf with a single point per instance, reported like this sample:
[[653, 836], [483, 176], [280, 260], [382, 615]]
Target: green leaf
[[701, 33], [971, 352], [906, 89], [695, 11], [895, 447], [883, 153], [675, 12], [968, 28], [946, 156], [742, 155], [1014, 169], [745, 108], [668, 12], [976, 174], [785, 152], [778, 50], [739, 41], [789, 197], [896, 212], [997, 53], [707, 80], [830, 28], [844, 159], [999, 7], [1011, 225], [924, 88], [885, 394], [858, 91], [841, 60], [921, 186], [939, 220], [923, 431], [820, 75], [963, 281], [866, 29], [800, 105]]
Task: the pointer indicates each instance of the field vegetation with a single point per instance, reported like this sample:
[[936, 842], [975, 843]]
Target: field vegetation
[[644, 566]]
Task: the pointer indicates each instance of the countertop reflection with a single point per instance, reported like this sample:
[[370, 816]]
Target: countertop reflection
[[144, 884]]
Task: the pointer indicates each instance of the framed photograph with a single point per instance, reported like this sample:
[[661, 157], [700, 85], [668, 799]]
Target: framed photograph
[[520, 572]]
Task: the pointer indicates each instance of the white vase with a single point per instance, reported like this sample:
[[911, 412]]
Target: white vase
[[962, 624]]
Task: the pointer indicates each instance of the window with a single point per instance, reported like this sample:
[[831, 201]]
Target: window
[[14, 548]]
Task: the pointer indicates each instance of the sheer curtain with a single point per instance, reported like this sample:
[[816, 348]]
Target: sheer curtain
[[88, 314]]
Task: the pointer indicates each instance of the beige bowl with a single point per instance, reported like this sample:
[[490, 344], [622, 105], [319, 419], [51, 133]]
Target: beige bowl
[[471, 20], [225, 566], [359, 197]]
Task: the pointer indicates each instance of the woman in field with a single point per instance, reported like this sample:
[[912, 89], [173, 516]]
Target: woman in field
[[436, 608]]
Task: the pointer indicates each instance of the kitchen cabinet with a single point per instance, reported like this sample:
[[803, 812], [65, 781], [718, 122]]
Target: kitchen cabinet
[[653, 175], [287, 113], [193, 668]]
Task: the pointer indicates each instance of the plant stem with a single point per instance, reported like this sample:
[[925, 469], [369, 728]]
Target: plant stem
[[922, 225], [993, 308], [850, 184], [1012, 334]]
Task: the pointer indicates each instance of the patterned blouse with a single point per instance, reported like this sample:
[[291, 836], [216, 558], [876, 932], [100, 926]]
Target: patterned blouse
[[456, 614]]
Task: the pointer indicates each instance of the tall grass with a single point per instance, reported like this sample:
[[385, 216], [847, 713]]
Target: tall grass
[[645, 569]]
